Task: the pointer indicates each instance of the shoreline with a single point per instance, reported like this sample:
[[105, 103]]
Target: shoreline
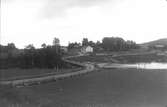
[[25, 82]]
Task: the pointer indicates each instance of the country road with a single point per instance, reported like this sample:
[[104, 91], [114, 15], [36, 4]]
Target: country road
[[88, 67], [28, 81]]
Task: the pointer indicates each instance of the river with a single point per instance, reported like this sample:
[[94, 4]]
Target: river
[[152, 65]]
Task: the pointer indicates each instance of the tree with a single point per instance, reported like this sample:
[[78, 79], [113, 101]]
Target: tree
[[131, 44], [117, 44], [91, 43], [85, 42], [56, 42], [29, 53], [73, 45], [98, 46], [30, 46], [11, 46], [43, 45], [98, 43], [108, 43], [31, 57]]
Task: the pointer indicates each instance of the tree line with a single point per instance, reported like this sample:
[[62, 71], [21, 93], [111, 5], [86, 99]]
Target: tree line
[[118, 44], [48, 56], [107, 44]]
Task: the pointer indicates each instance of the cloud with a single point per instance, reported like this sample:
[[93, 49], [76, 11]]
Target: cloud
[[58, 8]]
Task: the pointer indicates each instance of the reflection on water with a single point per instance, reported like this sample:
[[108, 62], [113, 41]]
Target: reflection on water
[[152, 65]]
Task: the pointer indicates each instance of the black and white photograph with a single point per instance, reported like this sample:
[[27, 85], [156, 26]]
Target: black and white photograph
[[83, 53]]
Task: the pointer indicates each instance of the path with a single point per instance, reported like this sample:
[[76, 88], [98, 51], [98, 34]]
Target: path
[[25, 82]]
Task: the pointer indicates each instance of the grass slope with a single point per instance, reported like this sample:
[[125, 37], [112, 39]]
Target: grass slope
[[157, 42], [106, 88], [9, 74], [93, 58], [141, 58]]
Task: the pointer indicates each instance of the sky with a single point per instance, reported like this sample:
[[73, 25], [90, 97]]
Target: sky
[[35, 22]]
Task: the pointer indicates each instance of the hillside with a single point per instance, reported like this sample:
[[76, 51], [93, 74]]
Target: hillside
[[156, 42]]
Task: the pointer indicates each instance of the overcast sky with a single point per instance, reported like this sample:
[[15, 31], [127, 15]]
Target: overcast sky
[[35, 22]]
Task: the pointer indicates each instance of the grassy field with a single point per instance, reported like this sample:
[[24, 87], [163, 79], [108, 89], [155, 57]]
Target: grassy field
[[150, 57], [103, 88], [9, 74], [141, 58], [92, 58]]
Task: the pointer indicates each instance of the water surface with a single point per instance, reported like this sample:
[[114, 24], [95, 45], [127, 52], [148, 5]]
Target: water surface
[[152, 65]]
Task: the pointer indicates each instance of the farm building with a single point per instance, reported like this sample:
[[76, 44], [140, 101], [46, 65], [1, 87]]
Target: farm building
[[86, 49]]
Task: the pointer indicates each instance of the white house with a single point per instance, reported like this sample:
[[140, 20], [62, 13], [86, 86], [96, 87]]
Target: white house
[[86, 49]]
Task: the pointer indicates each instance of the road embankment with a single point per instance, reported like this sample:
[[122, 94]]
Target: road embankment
[[28, 81]]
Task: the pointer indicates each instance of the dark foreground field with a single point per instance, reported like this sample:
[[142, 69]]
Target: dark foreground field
[[104, 88]]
